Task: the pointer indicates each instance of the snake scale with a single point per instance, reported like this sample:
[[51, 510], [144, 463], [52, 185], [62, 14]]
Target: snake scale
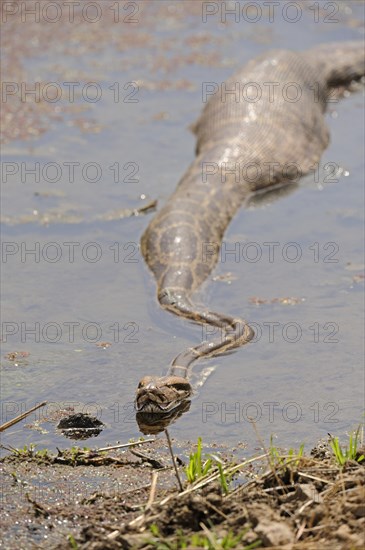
[[266, 130]]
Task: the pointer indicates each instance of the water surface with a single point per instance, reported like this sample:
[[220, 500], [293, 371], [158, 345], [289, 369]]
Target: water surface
[[86, 282]]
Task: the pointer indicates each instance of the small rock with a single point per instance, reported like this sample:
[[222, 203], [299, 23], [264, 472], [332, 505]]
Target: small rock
[[344, 533], [274, 533], [80, 426], [304, 492]]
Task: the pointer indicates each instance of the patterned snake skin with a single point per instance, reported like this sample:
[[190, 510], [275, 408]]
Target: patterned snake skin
[[265, 140]]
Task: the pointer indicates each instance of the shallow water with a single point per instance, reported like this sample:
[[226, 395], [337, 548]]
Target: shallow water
[[304, 375]]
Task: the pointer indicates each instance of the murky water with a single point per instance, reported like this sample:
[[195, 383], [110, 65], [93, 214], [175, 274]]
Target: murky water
[[85, 281]]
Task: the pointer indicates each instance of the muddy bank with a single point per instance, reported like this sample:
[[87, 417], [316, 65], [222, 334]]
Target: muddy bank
[[130, 499]]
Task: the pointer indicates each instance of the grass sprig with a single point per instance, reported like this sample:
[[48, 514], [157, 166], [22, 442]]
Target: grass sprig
[[344, 454]]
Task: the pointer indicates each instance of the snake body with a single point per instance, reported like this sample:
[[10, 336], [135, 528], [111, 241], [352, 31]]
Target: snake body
[[246, 141]]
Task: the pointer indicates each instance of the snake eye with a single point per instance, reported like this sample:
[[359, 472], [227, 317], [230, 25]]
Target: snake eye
[[144, 382]]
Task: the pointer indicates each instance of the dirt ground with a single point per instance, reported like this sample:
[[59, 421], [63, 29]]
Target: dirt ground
[[130, 499]]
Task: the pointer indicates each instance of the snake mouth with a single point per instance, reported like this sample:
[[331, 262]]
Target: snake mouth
[[153, 400], [161, 395], [150, 407], [156, 409]]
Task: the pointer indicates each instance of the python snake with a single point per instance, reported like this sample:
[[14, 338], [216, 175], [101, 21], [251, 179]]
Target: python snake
[[284, 128]]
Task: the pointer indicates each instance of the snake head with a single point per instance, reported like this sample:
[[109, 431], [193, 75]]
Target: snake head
[[160, 395]]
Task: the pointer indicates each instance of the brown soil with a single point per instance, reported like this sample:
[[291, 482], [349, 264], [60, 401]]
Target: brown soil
[[92, 500]]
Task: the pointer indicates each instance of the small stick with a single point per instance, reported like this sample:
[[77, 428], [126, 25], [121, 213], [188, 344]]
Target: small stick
[[208, 534], [315, 478], [217, 511], [271, 466], [146, 208], [173, 460], [124, 445], [20, 417], [113, 535], [305, 505], [211, 477], [300, 530], [152, 491], [154, 463]]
